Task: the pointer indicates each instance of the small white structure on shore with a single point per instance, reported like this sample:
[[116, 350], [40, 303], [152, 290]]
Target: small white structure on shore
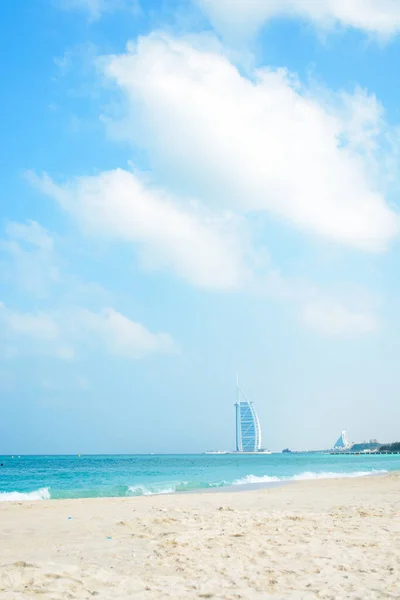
[[342, 443]]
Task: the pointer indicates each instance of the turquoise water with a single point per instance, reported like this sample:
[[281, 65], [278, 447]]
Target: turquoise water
[[42, 477]]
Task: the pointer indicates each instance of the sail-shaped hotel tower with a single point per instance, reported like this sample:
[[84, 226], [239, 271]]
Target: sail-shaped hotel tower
[[342, 442], [248, 430]]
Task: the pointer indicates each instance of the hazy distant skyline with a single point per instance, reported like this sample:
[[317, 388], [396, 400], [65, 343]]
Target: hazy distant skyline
[[192, 189]]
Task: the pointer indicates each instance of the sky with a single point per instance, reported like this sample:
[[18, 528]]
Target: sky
[[192, 189]]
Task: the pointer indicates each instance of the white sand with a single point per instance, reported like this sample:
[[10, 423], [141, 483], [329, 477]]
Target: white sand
[[322, 539]]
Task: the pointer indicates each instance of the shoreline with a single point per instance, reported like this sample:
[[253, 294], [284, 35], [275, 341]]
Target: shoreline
[[326, 538], [249, 489], [254, 487], [224, 489]]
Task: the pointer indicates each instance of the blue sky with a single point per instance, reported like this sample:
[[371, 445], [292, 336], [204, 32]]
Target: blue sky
[[191, 189]]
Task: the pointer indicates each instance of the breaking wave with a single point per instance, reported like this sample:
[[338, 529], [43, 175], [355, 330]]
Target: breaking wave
[[306, 476], [187, 486], [142, 490], [41, 494], [173, 487]]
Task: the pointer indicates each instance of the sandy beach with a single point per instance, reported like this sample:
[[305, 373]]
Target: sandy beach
[[318, 539]]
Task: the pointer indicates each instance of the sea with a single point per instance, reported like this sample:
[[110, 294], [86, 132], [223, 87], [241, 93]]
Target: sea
[[44, 477]]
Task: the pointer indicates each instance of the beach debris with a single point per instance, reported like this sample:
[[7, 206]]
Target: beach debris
[[109, 537], [69, 518], [24, 565]]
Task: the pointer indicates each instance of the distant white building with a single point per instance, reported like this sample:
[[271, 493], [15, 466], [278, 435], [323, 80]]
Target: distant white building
[[342, 442], [248, 430]]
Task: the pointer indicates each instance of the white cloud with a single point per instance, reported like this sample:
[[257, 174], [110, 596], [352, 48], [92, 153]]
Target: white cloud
[[117, 204], [333, 319], [242, 145], [28, 258], [363, 121], [37, 332], [122, 336], [39, 326], [252, 144], [30, 262], [200, 246], [35, 261], [64, 333], [346, 311], [245, 17], [32, 233], [96, 8]]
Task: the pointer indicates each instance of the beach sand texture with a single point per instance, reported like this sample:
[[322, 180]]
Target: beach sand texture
[[319, 539]]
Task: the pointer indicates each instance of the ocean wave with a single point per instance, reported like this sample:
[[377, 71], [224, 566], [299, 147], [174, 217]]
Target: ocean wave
[[173, 487], [187, 486], [41, 494], [306, 476], [142, 490]]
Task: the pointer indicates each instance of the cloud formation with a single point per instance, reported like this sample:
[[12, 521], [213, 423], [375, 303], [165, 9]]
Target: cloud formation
[[202, 247], [65, 333], [243, 146], [31, 233], [100, 214], [345, 312], [245, 17], [257, 143], [28, 258]]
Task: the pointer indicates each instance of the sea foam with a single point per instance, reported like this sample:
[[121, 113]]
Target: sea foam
[[41, 494], [142, 490], [306, 476], [173, 487]]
